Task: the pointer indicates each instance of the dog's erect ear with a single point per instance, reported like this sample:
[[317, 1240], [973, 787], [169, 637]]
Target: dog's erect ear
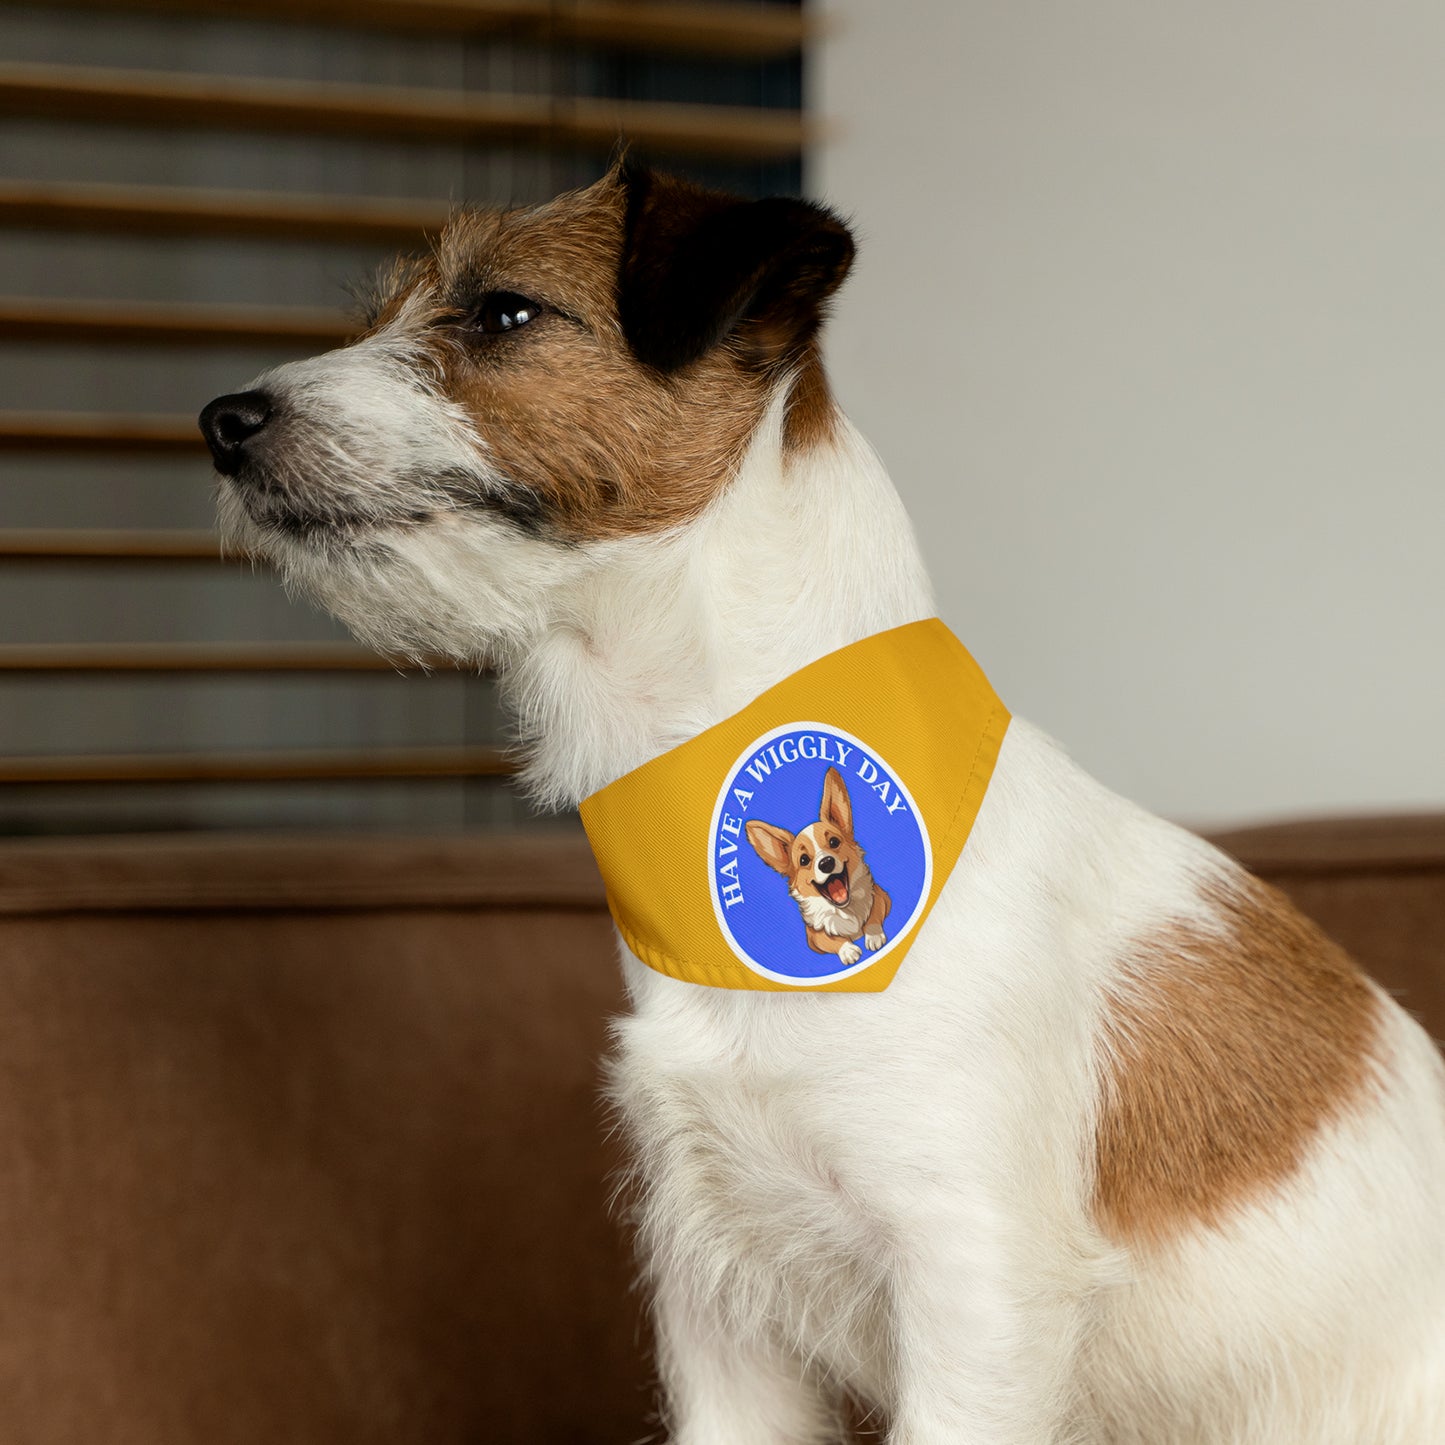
[[699, 266], [837, 806], [774, 845]]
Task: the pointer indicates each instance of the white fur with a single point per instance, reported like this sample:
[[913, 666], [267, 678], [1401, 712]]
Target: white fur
[[890, 1193]]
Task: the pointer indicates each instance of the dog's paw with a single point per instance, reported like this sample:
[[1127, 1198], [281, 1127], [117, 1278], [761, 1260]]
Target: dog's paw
[[875, 941], [849, 954]]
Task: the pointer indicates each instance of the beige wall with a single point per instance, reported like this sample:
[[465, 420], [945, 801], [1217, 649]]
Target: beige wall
[[1149, 323]]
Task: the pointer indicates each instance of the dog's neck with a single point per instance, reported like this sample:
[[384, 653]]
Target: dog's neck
[[665, 636]]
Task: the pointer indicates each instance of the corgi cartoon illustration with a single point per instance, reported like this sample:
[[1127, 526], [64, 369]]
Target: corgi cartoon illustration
[[826, 875]]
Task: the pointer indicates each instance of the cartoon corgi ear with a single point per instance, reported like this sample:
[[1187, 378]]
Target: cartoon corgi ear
[[774, 845], [837, 807], [699, 267]]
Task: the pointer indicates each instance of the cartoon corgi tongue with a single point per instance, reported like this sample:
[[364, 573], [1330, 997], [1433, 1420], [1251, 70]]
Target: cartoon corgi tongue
[[835, 890]]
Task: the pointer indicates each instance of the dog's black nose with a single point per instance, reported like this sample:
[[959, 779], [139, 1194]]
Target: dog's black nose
[[229, 422], [827, 865]]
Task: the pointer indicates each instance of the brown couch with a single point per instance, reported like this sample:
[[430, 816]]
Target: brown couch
[[300, 1139]]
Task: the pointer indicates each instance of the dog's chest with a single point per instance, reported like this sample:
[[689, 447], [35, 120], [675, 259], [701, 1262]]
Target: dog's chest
[[744, 1186]]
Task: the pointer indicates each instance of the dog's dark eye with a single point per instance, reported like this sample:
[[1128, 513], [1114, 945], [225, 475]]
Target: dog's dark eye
[[504, 311], [804, 860], [833, 843]]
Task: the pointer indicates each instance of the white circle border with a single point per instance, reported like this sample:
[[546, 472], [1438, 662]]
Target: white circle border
[[869, 959]]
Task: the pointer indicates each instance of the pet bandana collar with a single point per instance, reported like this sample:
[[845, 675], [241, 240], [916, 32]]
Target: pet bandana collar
[[800, 844]]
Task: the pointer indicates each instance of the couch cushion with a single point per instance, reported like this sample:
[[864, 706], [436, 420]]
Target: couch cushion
[[302, 1142]]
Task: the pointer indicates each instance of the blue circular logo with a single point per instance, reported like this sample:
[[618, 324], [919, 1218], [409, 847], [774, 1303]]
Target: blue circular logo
[[819, 858]]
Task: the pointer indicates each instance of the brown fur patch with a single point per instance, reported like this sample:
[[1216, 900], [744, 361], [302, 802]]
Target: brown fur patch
[[1226, 1054], [812, 413], [607, 446]]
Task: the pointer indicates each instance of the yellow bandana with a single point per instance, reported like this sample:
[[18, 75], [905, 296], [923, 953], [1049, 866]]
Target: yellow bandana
[[799, 844]]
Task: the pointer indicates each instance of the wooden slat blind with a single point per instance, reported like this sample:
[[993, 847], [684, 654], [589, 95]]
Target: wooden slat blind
[[278, 766], [110, 96], [119, 657], [96, 322], [711, 29], [76, 431], [326, 108], [78, 544], [173, 211]]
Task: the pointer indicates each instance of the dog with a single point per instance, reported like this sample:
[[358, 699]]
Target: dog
[[1127, 1153], [827, 876]]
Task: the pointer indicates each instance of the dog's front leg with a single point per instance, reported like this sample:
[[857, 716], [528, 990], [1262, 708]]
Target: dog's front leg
[[983, 1354], [723, 1388]]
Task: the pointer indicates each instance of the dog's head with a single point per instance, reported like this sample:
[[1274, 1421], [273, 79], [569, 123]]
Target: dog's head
[[824, 860], [547, 382]]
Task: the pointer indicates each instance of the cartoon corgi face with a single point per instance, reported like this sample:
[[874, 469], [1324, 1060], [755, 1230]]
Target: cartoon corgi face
[[823, 861]]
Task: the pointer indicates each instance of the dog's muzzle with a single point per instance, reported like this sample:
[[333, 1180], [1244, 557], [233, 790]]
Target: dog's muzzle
[[835, 885], [230, 422]]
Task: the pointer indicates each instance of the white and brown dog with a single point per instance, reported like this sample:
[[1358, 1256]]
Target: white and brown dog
[[1127, 1152]]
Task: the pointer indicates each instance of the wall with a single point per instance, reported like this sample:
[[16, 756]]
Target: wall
[[1149, 323]]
